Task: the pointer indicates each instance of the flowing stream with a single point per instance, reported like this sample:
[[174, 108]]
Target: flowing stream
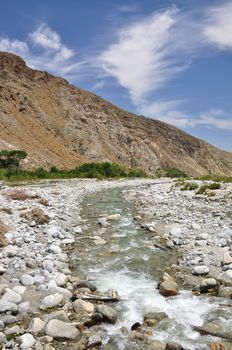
[[128, 263]]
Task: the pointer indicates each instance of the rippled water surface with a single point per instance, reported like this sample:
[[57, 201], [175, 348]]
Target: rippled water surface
[[129, 264]]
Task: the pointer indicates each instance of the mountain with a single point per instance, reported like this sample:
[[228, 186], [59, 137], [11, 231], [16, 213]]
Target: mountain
[[62, 125]]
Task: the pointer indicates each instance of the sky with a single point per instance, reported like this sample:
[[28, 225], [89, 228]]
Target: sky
[[166, 60]]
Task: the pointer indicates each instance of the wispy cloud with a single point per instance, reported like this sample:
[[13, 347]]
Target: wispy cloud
[[128, 8], [43, 49], [151, 52], [218, 28]]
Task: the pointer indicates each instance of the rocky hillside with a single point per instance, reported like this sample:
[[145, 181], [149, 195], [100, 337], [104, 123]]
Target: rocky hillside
[[59, 124]]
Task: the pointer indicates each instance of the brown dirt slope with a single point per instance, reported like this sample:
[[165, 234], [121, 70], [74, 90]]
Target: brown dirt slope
[[59, 124]]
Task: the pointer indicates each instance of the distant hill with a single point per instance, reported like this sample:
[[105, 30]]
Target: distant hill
[[59, 124]]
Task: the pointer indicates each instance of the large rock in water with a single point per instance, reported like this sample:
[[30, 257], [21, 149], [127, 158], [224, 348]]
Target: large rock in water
[[108, 313], [168, 287], [61, 330], [215, 328]]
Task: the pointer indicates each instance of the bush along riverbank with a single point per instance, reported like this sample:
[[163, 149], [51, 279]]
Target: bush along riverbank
[[88, 170]]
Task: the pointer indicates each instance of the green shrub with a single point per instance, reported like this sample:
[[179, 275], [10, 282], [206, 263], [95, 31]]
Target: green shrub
[[204, 188], [216, 178], [89, 170], [189, 186], [174, 172], [214, 186], [11, 158]]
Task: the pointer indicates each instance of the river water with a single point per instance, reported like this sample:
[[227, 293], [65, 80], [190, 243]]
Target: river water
[[128, 263]]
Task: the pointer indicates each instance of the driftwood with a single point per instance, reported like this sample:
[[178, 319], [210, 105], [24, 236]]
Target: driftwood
[[95, 297]]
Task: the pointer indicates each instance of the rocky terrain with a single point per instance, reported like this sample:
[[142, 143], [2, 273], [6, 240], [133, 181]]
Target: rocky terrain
[[45, 304], [59, 124]]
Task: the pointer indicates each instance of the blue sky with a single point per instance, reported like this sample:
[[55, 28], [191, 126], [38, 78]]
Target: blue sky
[[167, 60]]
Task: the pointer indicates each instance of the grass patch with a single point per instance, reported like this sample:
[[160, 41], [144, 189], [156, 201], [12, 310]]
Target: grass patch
[[189, 186], [204, 188], [216, 178], [175, 173], [89, 170]]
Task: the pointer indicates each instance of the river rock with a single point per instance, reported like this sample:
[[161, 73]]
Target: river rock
[[226, 278], [26, 341], [8, 319], [2, 269], [53, 288], [14, 330], [200, 270], [227, 259], [55, 249], [47, 265], [207, 284], [225, 292], [58, 330], [3, 338], [153, 318], [221, 346], [174, 346], [215, 328], [51, 301], [114, 217], [168, 287], [109, 314], [19, 289], [27, 280], [81, 306], [12, 296], [86, 284], [10, 251], [36, 325], [94, 341], [56, 315], [7, 306], [24, 308]]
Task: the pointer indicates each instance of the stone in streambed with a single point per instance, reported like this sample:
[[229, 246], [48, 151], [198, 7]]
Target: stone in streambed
[[200, 270], [207, 284], [226, 278], [168, 287], [59, 330], [225, 292], [11, 296], [26, 341], [27, 280], [109, 314], [114, 217], [174, 346], [36, 325], [51, 301], [81, 306], [86, 284], [7, 306], [153, 318]]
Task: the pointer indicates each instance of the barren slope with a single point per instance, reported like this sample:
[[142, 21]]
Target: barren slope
[[59, 124]]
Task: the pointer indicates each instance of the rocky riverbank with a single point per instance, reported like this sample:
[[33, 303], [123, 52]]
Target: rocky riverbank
[[38, 225], [44, 305]]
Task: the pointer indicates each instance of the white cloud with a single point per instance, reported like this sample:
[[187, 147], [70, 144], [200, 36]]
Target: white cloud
[[141, 58], [218, 28], [169, 112], [44, 49], [128, 8], [217, 118], [16, 46]]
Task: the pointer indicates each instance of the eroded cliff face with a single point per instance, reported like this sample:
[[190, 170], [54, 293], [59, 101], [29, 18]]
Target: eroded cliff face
[[59, 124]]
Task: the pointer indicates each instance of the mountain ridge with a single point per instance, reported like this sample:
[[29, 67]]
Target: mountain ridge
[[62, 125]]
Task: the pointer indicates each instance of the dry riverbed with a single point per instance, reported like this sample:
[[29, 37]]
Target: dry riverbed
[[45, 305]]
